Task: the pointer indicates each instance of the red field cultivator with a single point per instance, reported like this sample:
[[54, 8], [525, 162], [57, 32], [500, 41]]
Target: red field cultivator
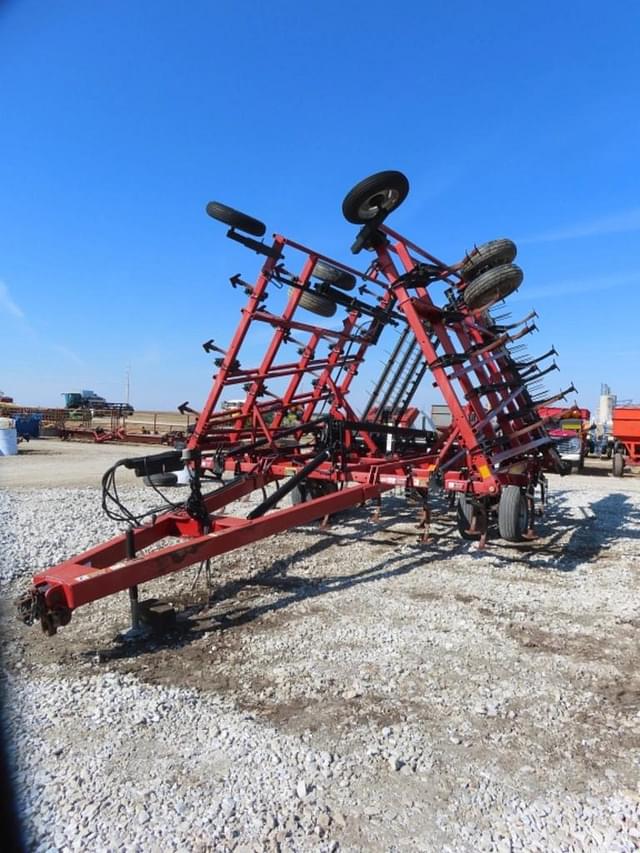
[[296, 431]]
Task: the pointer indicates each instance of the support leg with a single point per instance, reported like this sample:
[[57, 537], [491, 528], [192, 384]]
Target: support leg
[[135, 612], [377, 509]]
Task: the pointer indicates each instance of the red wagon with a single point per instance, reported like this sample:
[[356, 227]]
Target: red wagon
[[296, 434], [626, 434]]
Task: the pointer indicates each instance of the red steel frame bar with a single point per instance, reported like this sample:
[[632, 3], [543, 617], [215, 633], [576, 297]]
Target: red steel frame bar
[[486, 370], [105, 570]]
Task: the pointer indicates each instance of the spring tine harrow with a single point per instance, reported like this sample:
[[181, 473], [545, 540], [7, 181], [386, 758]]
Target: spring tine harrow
[[532, 315], [531, 362]]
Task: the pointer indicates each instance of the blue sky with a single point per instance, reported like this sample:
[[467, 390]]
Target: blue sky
[[120, 121]]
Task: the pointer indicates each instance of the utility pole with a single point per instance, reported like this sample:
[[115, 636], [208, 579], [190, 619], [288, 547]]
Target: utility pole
[[127, 383]]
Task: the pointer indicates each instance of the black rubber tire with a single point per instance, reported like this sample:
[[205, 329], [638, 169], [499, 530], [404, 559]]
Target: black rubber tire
[[332, 275], [320, 488], [309, 489], [236, 219], [464, 513], [384, 191], [158, 480], [317, 304], [298, 494], [513, 514], [495, 253], [492, 285], [618, 465]]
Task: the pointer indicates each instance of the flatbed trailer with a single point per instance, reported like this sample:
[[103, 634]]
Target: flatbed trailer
[[296, 435]]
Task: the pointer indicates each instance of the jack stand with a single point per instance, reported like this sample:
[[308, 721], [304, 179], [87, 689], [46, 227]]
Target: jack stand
[[206, 565], [135, 632], [375, 516], [135, 612]]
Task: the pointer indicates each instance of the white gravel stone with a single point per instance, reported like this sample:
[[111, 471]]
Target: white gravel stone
[[498, 688]]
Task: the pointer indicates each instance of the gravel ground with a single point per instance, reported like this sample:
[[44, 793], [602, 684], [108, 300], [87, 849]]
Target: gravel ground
[[345, 689]]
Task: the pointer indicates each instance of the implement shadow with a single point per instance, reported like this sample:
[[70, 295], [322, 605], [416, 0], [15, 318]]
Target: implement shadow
[[603, 523], [588, 538], [212, 615]]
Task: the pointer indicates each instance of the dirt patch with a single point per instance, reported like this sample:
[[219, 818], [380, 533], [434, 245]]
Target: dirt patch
[[578, 646]]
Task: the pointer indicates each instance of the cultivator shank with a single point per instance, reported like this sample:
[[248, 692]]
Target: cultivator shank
[[295, 436]]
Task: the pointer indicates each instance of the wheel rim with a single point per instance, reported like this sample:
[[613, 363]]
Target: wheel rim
[[385, 199]]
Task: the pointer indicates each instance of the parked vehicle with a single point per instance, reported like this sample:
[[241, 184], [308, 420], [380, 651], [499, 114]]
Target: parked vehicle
[[570, 447], [569, 429]]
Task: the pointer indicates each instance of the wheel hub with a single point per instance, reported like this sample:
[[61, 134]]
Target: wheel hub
[[382, 200]]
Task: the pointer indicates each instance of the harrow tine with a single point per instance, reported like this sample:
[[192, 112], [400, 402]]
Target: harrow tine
[[532, 315], [539, 400], [533, 381], [549, 369], [526, 330], [534, 361], [489, 389], [559, 396], [529, 373]]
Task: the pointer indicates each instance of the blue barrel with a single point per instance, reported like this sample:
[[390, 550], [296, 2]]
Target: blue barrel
[[28, 426]]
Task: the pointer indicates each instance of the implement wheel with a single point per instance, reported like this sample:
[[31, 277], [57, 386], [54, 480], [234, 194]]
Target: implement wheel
[[331, 275], [464, 513], [494, 284], [513, 514], [309, 489], [236, 219], [320, 488], [618, 464], [379, 193], [298, 494], [495, 253], [167, 479], [317, 304]]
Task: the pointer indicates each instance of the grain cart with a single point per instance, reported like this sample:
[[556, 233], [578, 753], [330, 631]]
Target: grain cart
[[626, 436], [293, 435]]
